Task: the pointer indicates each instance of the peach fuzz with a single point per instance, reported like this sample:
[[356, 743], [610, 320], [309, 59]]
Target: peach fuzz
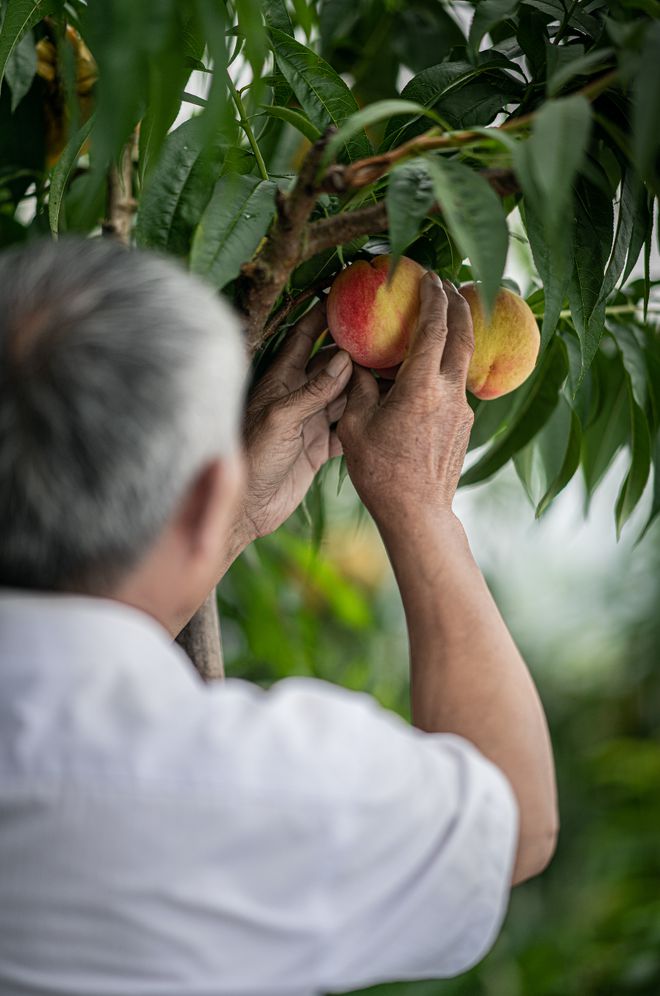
[[505, 348], [371, 319]]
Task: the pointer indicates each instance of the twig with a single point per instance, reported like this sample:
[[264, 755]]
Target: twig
[[247, 128], [120, 203], [339, 178], [344, 227], [291, 304], [262, 279]]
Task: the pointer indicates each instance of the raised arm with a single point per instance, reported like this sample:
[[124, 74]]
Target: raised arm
[[404, 455]]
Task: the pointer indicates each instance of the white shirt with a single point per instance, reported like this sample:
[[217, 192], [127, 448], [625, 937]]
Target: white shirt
[[162, 837]]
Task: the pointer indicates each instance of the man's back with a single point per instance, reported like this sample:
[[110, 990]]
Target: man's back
[[161, 836]]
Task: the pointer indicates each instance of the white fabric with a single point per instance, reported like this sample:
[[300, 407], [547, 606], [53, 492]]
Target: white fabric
[[159, 836]]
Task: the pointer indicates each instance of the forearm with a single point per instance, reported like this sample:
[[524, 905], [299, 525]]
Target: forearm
[[467, 676]]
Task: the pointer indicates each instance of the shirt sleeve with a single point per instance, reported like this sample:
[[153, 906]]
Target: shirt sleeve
[[419, 847]]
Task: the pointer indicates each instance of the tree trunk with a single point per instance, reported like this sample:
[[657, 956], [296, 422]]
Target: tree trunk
[[201, 637], [201, 640]]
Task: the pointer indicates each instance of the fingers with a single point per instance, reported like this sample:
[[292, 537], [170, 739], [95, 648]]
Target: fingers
[[362, 399], [460, 338], [428, 343], [319, 392], [297, 347]]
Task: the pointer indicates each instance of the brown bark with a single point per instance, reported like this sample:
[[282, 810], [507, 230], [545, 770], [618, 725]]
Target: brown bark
[[120, 204], [263, 278], [201, 640]]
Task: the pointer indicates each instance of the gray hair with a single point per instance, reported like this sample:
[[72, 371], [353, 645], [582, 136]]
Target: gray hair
[[121, 376]]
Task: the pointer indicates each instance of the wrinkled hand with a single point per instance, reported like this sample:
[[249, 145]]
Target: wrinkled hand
[[288, 420], [405, 450]]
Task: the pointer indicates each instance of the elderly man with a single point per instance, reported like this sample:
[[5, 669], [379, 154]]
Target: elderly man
[[161, 836]]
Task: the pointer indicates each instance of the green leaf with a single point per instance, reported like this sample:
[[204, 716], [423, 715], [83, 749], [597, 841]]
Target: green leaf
[[655, 505], [62, 171], [630, 341], [580, 66], [178, 189], [487, 14], [20, 16], [646, 109], [592, 239], [409, 198], [640, 463], [554, 266], [462, 95], [294, 118], [277, 16], [252, 28], [642, 230], [629, 205], [305, 16], [571, 456], [232, 226], [536, 402], [608, 432], [475, 219], [549, 161], [370, 115], [21, 69], [320, 91]]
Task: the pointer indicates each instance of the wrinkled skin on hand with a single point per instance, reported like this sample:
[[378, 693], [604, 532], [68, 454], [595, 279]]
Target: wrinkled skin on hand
[[289, 415], [405, 448]]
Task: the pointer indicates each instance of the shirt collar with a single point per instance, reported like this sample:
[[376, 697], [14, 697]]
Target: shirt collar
[[38, 625]]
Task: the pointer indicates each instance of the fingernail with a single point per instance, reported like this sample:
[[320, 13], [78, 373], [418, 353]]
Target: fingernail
[[338, 363]]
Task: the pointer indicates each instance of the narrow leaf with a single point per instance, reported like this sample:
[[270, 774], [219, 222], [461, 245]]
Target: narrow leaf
[[584, 65], [646, 108], [370, 115], [232, 226], [570, 462], [592, 239], [537, 405], [409, 198], [294, 118], [608, 432], [655, 505], [20, 16], [640, 463], [62, 171], [21, 68], [320, 91], [487, 14], [475, 219], [277, 16], [554, 265], [178, 189]]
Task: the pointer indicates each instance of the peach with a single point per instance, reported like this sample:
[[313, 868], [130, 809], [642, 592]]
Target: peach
[[370, 318], [505, 348]]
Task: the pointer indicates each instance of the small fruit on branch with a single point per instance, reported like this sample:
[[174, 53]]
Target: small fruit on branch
[[373, 320], [506, 346]]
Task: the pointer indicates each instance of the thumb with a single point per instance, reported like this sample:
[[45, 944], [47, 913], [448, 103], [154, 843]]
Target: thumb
[[321, 390]]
